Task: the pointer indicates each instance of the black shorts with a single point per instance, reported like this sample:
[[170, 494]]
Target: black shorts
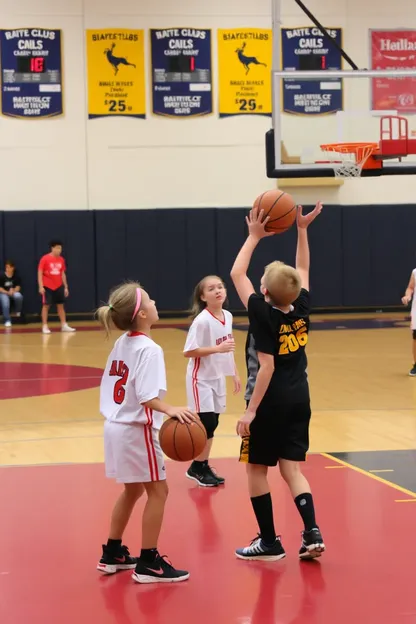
[[54, 297], [277, 432]]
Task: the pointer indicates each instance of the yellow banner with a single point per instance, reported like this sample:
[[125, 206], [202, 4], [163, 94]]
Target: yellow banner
[[115, 70], [245, 63]]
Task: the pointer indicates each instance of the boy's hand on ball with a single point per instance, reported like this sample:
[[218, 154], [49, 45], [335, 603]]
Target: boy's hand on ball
[[304, 221], [183, 414], [257, 224]]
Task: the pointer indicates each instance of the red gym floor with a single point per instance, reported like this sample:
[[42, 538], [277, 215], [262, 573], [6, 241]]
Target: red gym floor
[[54, 519]]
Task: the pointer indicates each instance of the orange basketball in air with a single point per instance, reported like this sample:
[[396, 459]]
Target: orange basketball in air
[[280, 207]]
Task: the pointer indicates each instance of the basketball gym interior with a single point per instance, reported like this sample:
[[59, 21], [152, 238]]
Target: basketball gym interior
[[160, 196]]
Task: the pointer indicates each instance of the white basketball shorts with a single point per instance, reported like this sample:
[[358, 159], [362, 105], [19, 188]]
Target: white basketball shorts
[[206, 395], [132, 453], [413, 319]]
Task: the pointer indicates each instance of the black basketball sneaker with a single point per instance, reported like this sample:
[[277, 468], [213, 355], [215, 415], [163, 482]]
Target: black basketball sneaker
[[312, 544], [159, 571], [112, 562], [201, 474], [259, 551]]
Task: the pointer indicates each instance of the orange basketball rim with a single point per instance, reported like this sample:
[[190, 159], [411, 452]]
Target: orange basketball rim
[[363, 152]]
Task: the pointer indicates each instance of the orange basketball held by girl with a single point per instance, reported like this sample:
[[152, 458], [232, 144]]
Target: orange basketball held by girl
[[210, 348], [132, 390]]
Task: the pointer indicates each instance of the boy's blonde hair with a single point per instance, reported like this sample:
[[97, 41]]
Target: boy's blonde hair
[[282, 283], [120, 308]]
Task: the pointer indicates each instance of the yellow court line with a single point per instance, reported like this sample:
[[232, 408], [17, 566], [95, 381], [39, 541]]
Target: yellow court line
[[384, 470], [333, 467], [368, 474], [406, 500]]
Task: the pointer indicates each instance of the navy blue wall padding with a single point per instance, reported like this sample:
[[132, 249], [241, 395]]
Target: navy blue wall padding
[[231, 231], [169, 254], [2, 237], [19, 246], [75, 229], [326, 250], [200, 243], [110, 249], [360, 255], [357, 267], [393, 251]]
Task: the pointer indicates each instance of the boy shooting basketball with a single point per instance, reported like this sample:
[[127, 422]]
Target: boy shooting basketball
[[275, 426]]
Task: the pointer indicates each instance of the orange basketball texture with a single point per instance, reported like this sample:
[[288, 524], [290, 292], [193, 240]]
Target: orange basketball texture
[[182, 442], [280, 207]]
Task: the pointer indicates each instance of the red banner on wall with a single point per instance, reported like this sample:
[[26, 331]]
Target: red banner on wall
[[393, 49]]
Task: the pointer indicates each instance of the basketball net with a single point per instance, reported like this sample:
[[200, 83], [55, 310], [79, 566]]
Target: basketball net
[[348, 159]]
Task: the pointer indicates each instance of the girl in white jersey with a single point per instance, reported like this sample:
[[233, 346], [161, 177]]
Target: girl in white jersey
[[209, 347], [408, 296], [131, 400]]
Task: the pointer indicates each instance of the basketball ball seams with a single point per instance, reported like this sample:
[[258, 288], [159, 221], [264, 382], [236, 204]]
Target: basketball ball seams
[[260, 198], [174, 440], [282, 216], [191, 438], [274, 203], [277, 206]]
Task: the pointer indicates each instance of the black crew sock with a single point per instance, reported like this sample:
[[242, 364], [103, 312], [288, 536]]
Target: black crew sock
[[113, 545], [263, 509], [148, 555], [304, 503], [197, 465]]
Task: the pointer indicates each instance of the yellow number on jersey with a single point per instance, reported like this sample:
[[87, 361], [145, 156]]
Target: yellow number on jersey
[[292, 342]]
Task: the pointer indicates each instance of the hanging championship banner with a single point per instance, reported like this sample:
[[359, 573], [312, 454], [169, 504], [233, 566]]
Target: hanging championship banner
[[308, 49], [181, 72], [31, 72], [244, 61], [115, 73], [393, 49]]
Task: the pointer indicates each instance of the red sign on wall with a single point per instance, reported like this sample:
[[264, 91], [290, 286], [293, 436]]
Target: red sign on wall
[[393, 49]]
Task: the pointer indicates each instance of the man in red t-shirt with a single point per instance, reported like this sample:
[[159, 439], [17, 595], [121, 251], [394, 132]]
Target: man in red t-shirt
[[53, 285]]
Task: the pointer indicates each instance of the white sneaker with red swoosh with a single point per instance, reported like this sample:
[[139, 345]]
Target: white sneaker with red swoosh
[[159, 571]]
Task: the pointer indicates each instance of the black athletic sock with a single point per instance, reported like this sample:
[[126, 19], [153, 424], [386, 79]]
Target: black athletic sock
[[113, 545], [304, 503], [197, 465], [263, 509], [148, 555]]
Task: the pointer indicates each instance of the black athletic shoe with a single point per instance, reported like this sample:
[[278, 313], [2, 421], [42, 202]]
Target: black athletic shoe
[[209, 470], [412, 371], [312, 544], [202, 477], [258, 551], [160, 571], [113, 562]]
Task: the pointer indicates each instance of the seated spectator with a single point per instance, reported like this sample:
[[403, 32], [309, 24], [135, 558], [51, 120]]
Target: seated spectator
[[10, 291]]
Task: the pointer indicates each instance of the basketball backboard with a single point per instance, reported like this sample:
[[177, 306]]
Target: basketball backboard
[[329, 121]]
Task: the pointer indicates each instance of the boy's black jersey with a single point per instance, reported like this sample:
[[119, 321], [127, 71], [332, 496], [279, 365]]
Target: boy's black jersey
[[283, 335]]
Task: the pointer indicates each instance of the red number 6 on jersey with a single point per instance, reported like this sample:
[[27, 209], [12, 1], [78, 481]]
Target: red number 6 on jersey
[[119, 369]]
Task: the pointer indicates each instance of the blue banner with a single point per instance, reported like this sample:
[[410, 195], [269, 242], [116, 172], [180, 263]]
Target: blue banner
[[31, 71], [307, 49], [181, 72]]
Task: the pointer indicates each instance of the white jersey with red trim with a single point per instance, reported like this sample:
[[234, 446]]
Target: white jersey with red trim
[[134, 374], [413, 309], [208, 331]]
